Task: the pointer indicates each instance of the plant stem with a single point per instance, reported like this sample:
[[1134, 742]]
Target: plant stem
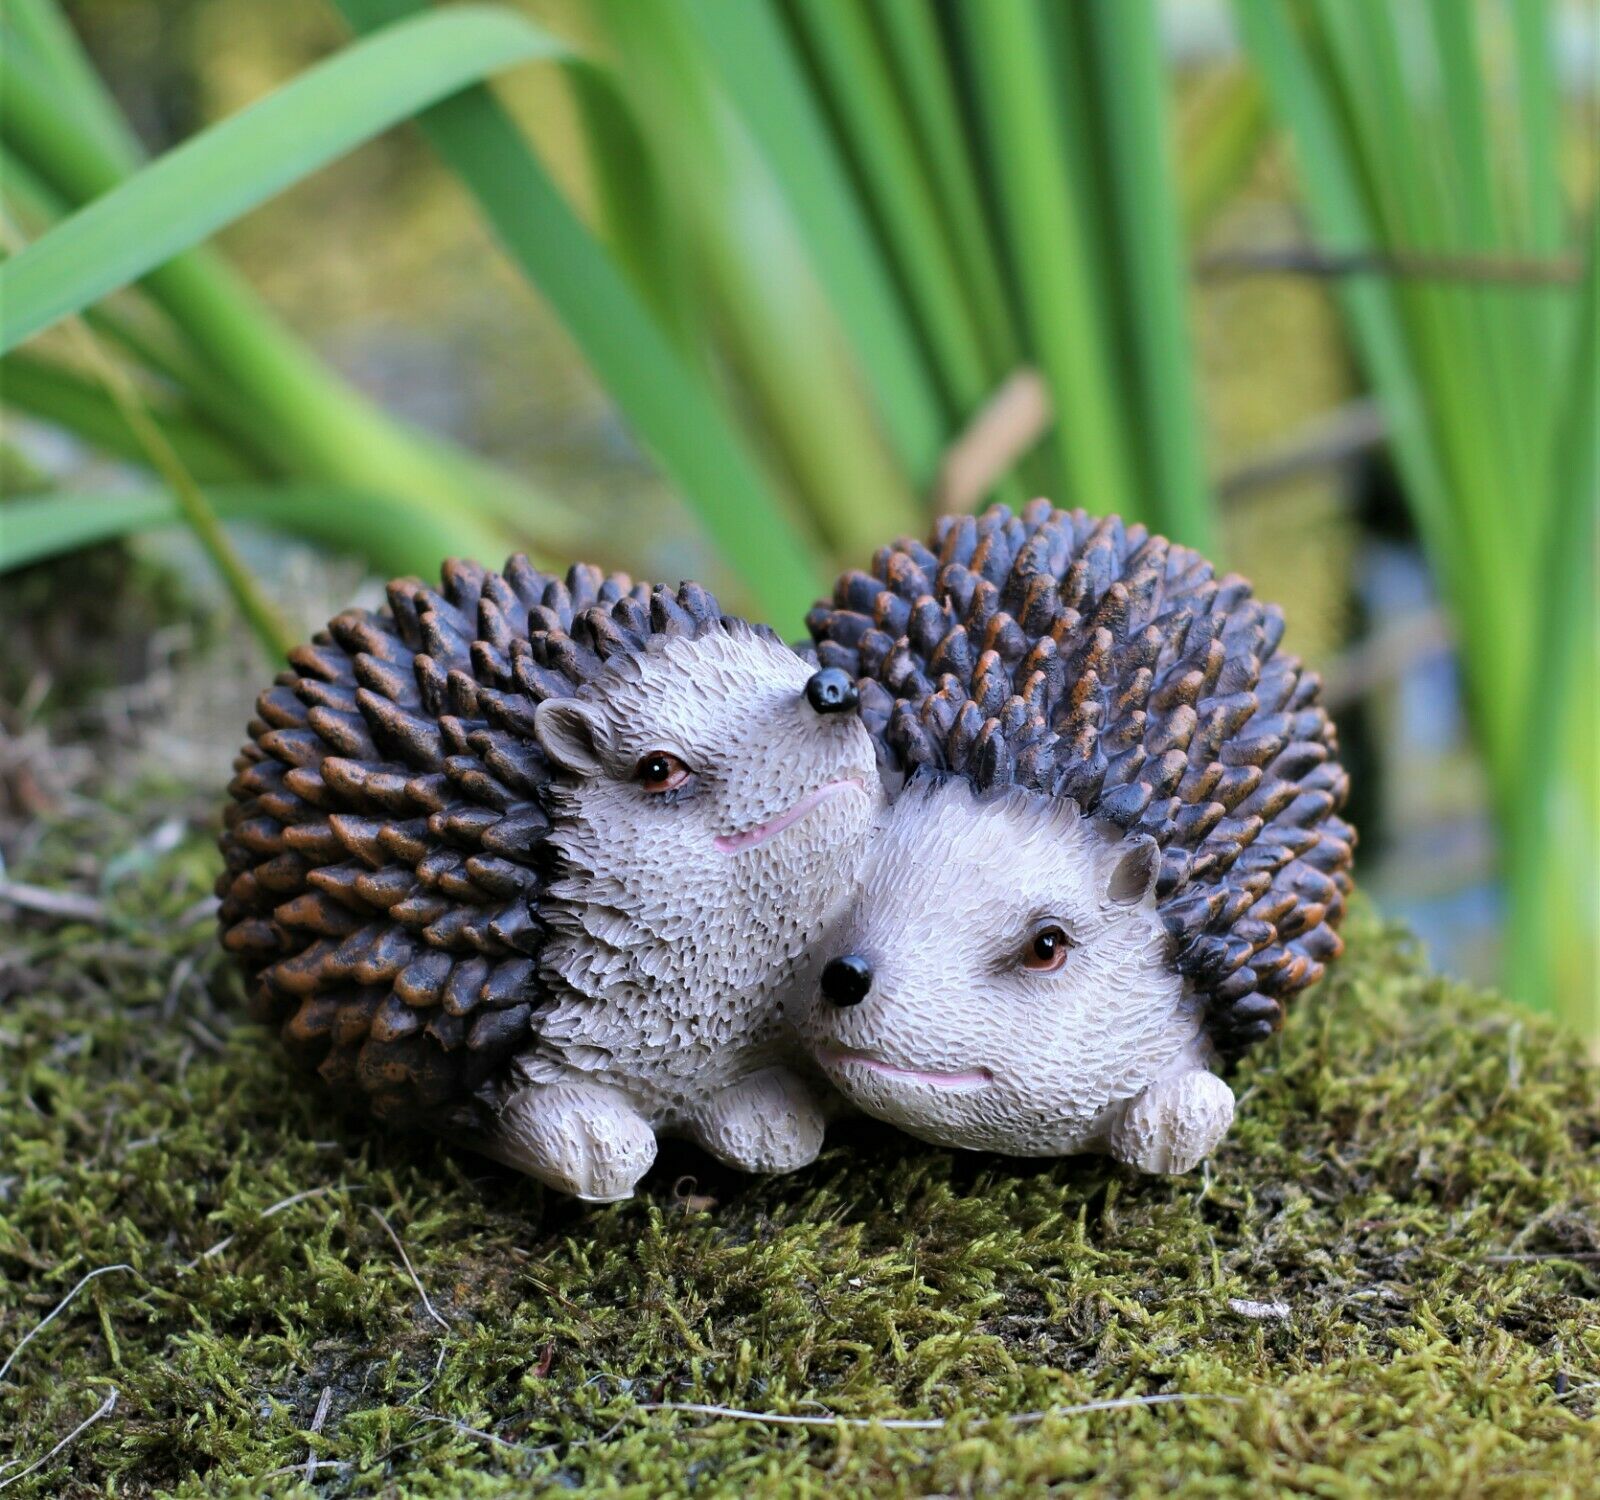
[[1050, 250], [322, 426], [275, 637], [277, 640]]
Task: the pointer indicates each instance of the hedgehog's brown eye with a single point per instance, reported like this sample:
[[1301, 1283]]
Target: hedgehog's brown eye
[[660, 772], [1047, 950]]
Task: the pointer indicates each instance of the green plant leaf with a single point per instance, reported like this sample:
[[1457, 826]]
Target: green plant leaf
[[1495, 435], [1052, 251], [41, 25], [393, 535], [793, 376], [67, 399], [636, 215], [662, 396], [1151, 267], [1552, 866], [259, 378], [227, 170], [861, 90], [925, 77], [754, 63]]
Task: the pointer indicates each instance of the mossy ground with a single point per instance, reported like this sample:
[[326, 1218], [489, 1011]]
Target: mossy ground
[[1402, 1141]]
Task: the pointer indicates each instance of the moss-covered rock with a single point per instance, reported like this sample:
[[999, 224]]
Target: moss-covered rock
[[1385, 1282]]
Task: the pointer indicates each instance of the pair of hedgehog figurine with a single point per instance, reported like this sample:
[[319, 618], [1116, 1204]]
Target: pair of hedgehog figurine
[[1039, 829]]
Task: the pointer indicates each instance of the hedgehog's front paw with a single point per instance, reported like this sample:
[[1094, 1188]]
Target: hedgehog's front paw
[[768, 1122], [1174, 1124], [582, 1138]]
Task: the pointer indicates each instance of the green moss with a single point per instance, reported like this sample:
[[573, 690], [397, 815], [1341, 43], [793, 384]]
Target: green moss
[[1403, 1134]]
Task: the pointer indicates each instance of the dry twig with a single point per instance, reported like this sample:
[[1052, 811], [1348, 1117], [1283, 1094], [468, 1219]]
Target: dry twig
[[267, 1213], [308, 1469], [1006, 426], [388, 1229], [478, 1432], [1419, 265], [60, 1307], [70, 906], [317, 1420], [1260, 1312], [1579, 1255], [106, 1407], [934, 1424]]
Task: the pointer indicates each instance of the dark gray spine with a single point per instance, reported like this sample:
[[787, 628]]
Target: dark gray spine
[[1084, 658], [385, 846]]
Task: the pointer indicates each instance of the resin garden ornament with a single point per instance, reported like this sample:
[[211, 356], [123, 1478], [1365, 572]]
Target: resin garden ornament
[[1118, 853], [553, 867], [536, 863]]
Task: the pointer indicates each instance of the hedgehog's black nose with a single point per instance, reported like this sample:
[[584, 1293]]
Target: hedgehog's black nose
[[845, 981], [831, 691]]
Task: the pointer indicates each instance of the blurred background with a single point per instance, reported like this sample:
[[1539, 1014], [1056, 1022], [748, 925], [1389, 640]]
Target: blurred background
[[740, 289]]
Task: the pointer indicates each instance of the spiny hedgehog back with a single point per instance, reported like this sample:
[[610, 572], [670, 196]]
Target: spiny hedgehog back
[[384, 849], [1089, 659]]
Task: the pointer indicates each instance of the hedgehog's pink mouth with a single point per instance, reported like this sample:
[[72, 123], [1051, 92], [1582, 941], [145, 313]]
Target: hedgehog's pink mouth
[[732, 843], [839, 1057]]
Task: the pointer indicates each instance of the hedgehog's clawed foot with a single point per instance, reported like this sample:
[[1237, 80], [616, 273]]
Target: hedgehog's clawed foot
[[768, 1122], [582, 1138], [1174, 1123]]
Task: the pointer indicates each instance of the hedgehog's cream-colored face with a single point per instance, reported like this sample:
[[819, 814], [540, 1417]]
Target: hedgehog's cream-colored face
[[715, 817], [1002, 980]]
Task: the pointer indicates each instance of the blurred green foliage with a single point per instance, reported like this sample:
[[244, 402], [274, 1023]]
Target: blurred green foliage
[[819, 245], [1490, 379]]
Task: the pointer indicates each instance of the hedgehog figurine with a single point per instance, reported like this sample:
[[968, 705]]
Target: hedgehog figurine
[[1117, 854], [533, 863]]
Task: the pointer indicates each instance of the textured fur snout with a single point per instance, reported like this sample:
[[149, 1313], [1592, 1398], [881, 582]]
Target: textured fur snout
[[966, 1036]]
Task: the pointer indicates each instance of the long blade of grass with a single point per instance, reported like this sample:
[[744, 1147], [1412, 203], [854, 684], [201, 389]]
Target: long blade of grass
[[922, 70], [1445, 327], [1069, 60], [790, 360], [660, 394], [850, 68], [1339, 215], [1052, 255], [34, 205], [393, 536], [44, 28], [320, 425], [225, 171], [754, 63], [1222, 134], [1396, 149], [1539, 112], [1151, 270], [1513, 318], [1538, 109], [67, 399], [875, 128], [635, 213], [258, 611], [158, 451], [1457, 357], [1498, 316], [1552, 864]]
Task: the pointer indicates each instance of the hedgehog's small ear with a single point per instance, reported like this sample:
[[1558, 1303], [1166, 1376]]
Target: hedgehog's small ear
[[572, 733], [1134, 865]]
